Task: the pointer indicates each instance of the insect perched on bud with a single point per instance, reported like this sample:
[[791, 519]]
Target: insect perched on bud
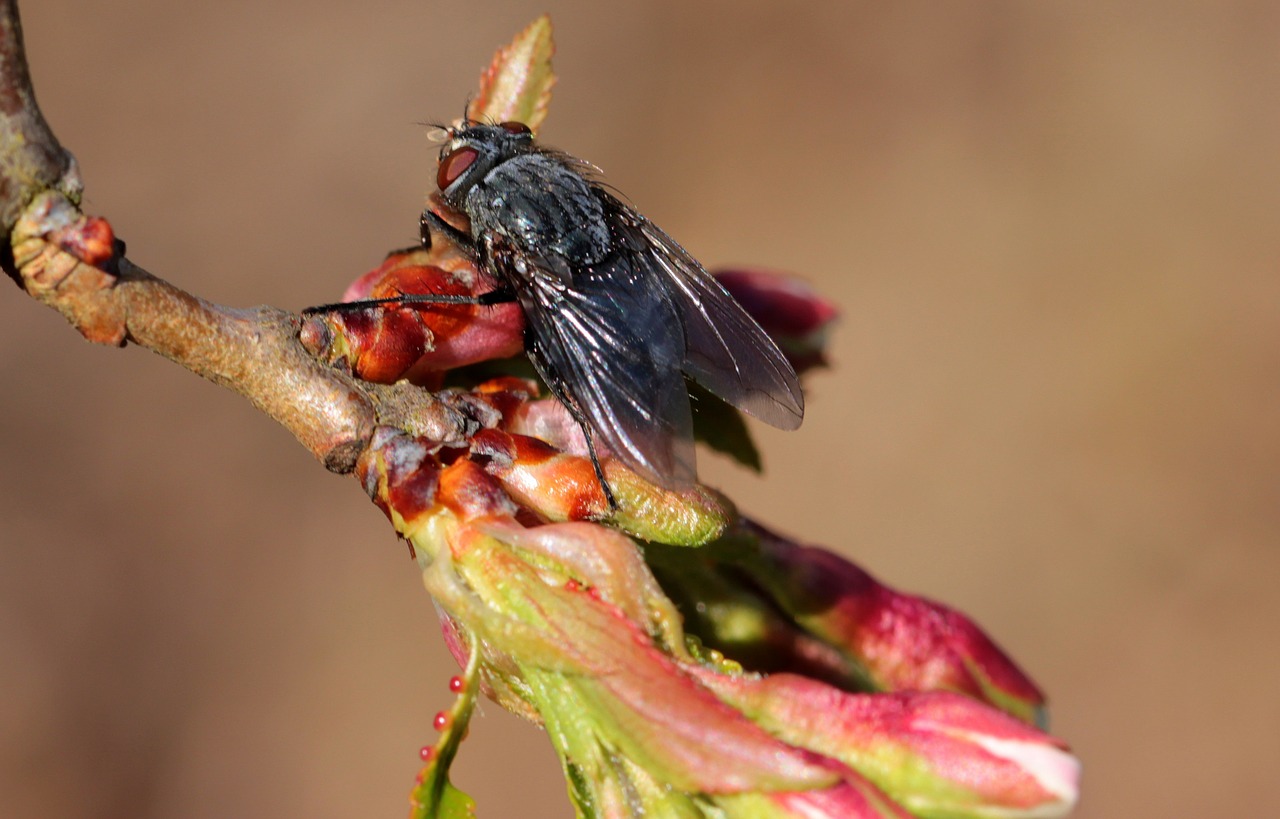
[[617, 314]]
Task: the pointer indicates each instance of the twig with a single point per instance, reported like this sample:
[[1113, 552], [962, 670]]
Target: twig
[[31, 159], [73, 264]]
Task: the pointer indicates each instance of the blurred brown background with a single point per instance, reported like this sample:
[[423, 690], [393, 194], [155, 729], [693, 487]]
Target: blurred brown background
[[1052, 230]]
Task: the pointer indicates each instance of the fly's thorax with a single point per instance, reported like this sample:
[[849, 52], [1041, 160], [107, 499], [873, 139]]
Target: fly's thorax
[[541, 206]]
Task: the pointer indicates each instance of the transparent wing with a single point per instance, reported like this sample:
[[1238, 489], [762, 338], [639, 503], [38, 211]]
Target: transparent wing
[[727, 351], [609, 344]]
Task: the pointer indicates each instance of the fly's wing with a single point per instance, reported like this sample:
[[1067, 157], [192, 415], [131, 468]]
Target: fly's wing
[[609, 345], [727, 352]]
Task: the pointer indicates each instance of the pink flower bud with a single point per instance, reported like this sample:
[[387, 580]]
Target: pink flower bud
[[842, 626], [417, 341], [937, 753]]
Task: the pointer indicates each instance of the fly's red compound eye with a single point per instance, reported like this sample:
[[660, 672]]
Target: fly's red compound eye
[[517, 128], [454, 165]]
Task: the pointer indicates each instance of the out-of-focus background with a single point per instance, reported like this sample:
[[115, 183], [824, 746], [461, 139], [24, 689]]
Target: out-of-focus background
[[1051, 228]]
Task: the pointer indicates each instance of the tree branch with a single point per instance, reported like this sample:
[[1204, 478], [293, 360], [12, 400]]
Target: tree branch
[[31, 159], [74, 264]]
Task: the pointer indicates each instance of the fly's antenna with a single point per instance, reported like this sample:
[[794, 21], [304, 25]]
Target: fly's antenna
[[438, 132]]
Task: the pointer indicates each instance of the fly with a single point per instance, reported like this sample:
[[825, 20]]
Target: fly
[[617, 314]]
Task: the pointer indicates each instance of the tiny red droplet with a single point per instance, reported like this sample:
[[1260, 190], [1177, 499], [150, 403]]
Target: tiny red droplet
[[572, 585], [441, 721], [427, 752], [513, 127], [593, 593], [453, 166], [456, 684]]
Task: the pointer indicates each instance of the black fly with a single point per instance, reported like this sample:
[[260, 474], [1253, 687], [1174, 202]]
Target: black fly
[[617, 313]]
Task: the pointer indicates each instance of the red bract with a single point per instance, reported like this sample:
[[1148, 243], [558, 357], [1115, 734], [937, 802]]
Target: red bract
[[559, 485], [416, 341]]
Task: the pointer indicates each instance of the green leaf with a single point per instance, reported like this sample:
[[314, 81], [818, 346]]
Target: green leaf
[[454, 804], [517, 84]]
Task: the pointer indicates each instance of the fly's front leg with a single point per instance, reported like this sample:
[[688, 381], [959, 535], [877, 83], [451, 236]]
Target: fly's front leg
[[595, 460], [591, 452], [431, 222], [500, 296]]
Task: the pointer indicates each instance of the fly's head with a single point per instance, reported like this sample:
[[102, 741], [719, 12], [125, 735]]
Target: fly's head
[[472, 150]]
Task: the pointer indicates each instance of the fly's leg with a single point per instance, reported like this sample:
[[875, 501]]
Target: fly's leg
[[431, 222], [499, 296], [595, 459], [558, 388]]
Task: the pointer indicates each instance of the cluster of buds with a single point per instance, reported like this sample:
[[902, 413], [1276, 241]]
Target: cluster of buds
[[876, 703], [719, 670], [684, 660]]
